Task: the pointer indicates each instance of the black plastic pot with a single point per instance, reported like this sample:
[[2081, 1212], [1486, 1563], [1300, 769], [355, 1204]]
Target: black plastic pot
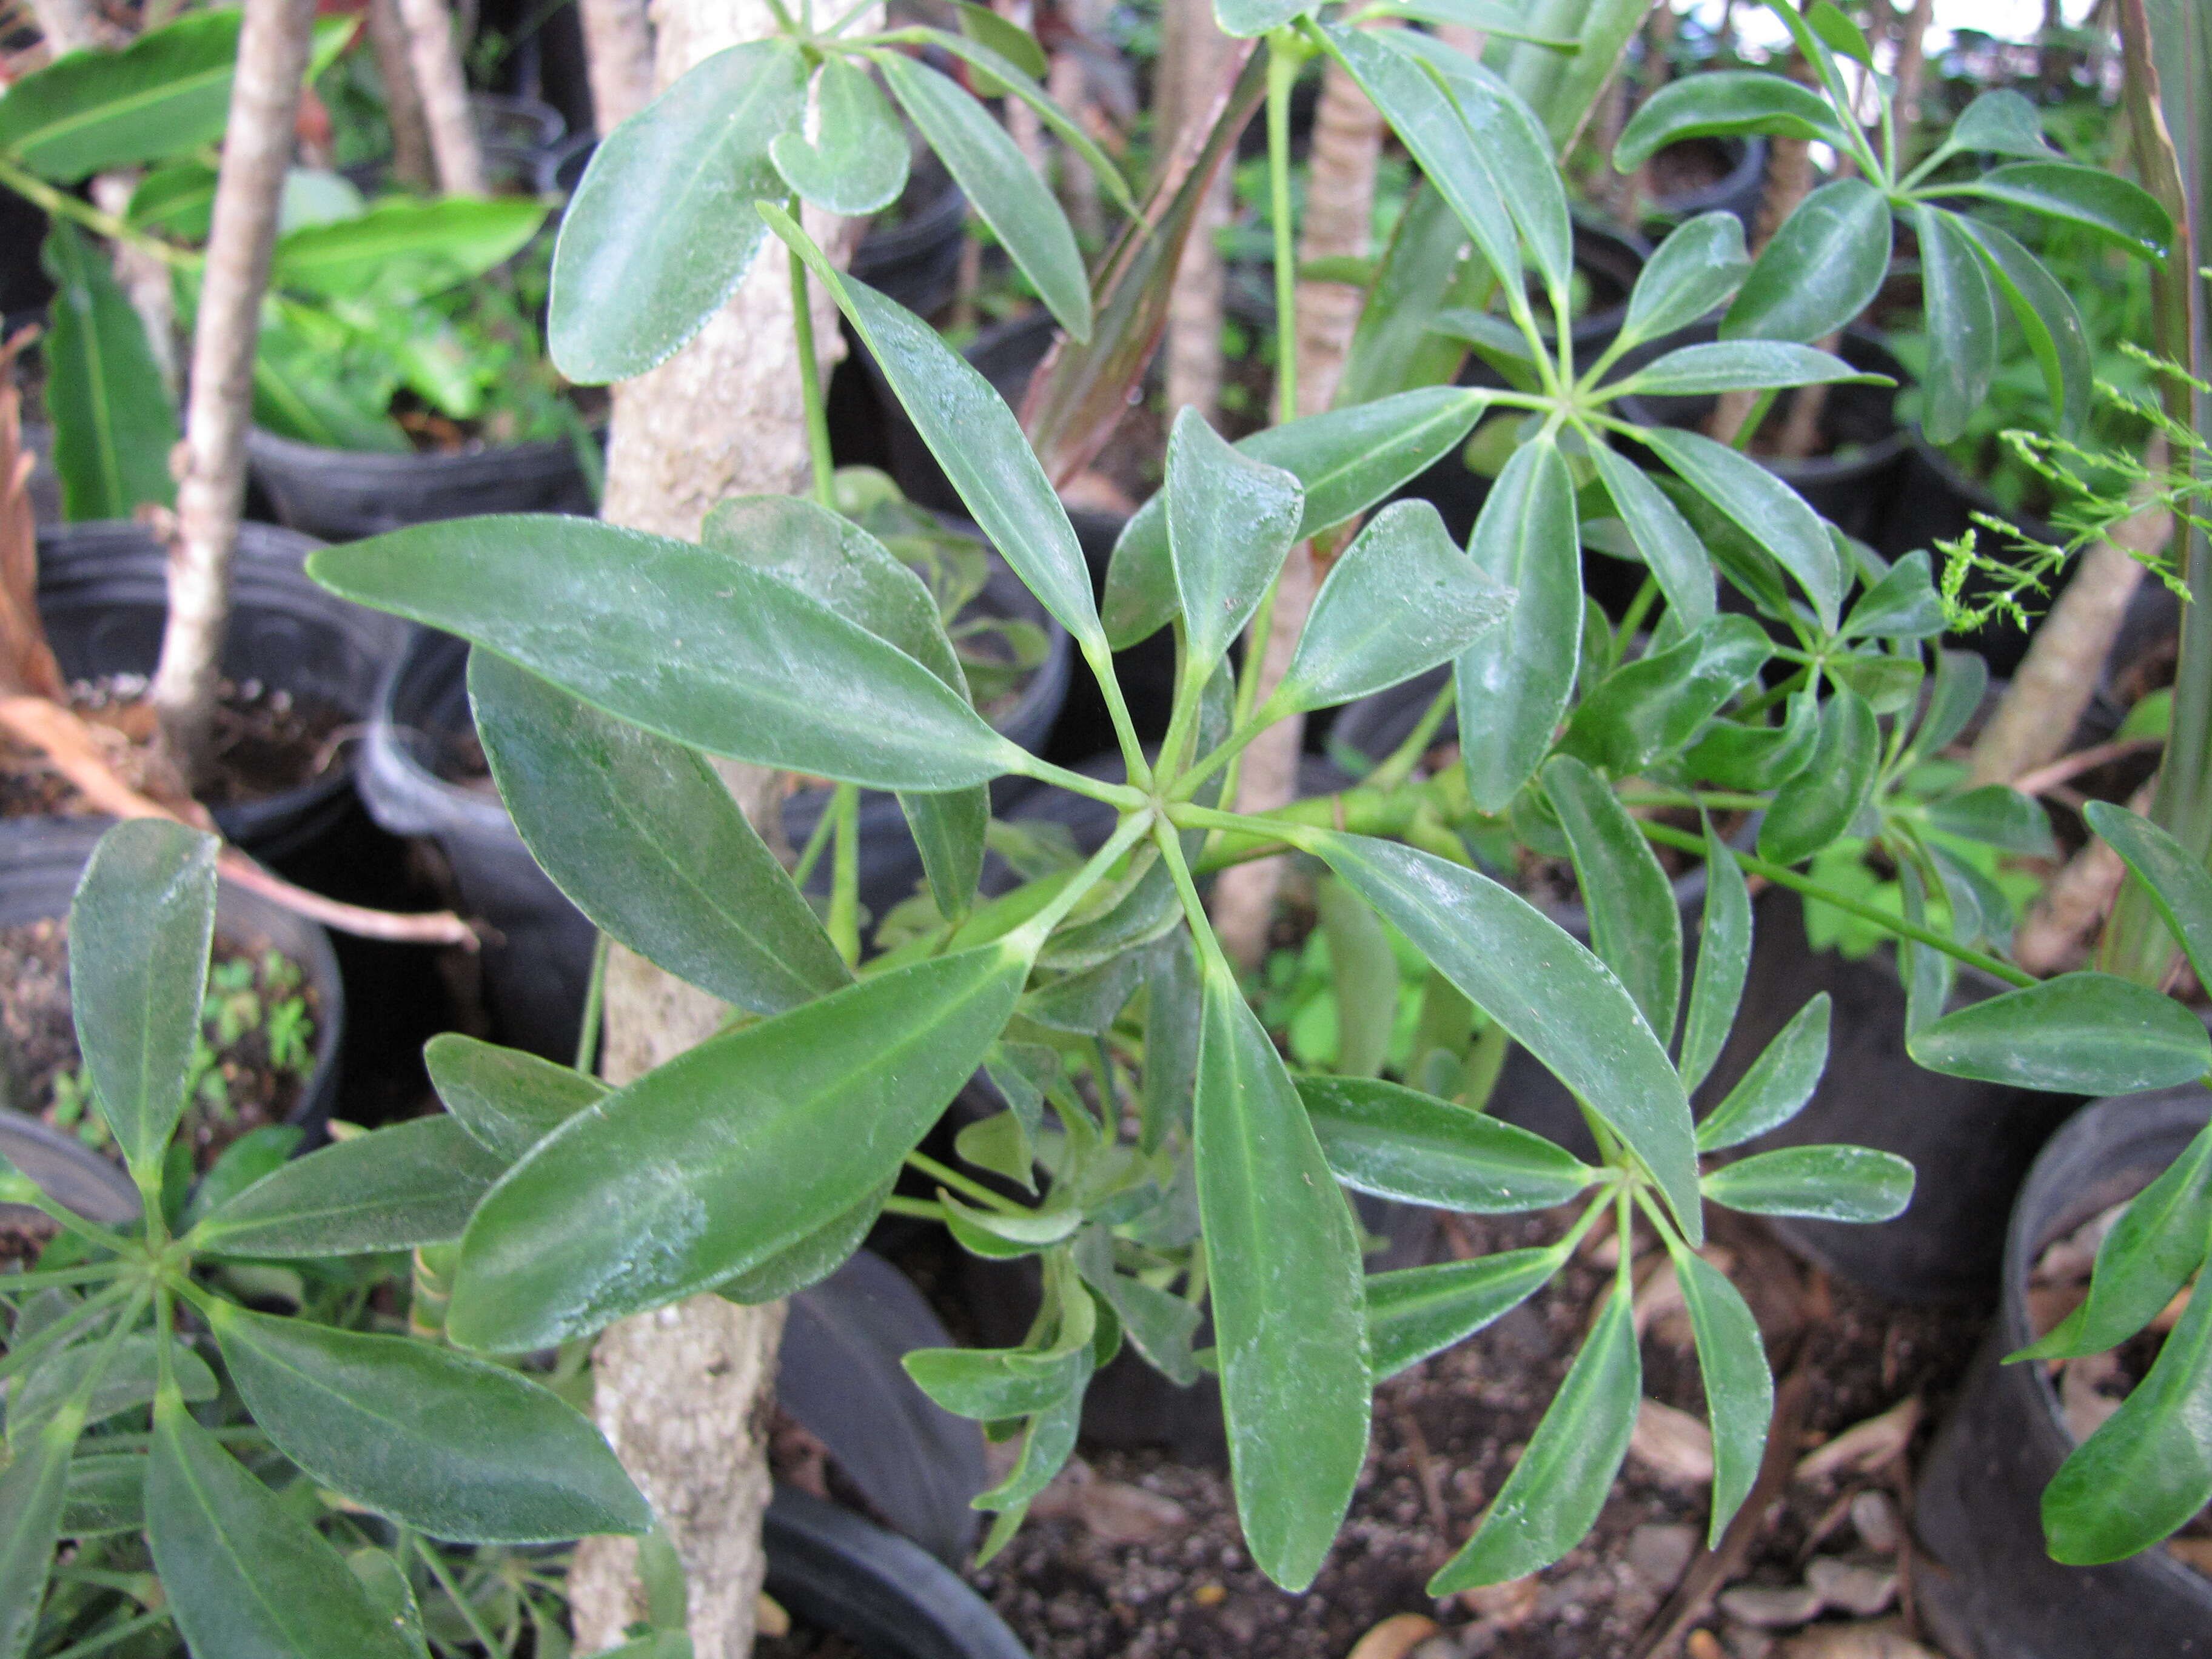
[[103, 595], [890, 1598], [1970, 1142], [516, 134], [41, 861], [1994, 1592], [561, 168], [24, 287], [1742, 163], [344, 494], [917, 261], [66, 1170]]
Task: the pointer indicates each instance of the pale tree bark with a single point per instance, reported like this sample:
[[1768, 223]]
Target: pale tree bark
[[618, 58], [1912, 72], [681, 1393], [1078, 186], [1023, 125], [412, 163], [71, 26], [435, 58], [257, 148], [1788, 181], [1193, 53]]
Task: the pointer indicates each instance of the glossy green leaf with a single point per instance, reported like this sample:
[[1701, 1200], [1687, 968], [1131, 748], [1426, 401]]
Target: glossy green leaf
[[1046, 1447], [1347, 459], [1171, 1035], [114, 424], [1636, 927], [1697, 269], [2149, 1467], [2120, 212], [2048, 319], [1514, 681], [1776, 1085], [2142, 1261], [1653, 707], [1821, 268], [1398, 1143], [246, 1576], [165, 93], [507, 1100], [1827, 1183], [813, 1259], [139, 928], [2179, 885], [949, 828], [254, 1154], [661, 227], [1743, 365], [856, 162], [1418, 1312], [2090, 1033], [176, 200], [1819, 804], [1758, 757], [1363, 972], [647, 842], [1551, 995], [1670, 548], [994, 1385], [1232, 521], [1159, 1323], [106, 1493], [709, 1166], [408, 1184], [1738, 1387], [1725, 103], [1008, 39], [1003, 1234], [1245, 19], [1999, 815], [127, 1373], [1836, 27], [1764, 508], [1563, 90], [1724, 960], [1962, 324], [32, 1489], [1401, 600], [976, 438], [1955, 693], [1890, 684], [450, 1445], [1902, 605], [2002, 123], [1284, 1258], [1003, 188], [1552, 1499], [402, 248], [682, 640]]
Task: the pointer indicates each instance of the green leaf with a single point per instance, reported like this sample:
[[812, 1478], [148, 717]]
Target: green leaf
[[1670, 548], [1698, 267], [1962, 324], [1231, 522], [1347, 459], [1739, 1387], [1552, 996], [1552, 1499], [711, 1164], [1245, 19], [139, 928], [1838, 29], [993, 1384], [2104, 202], [1398, 1143], [246, 1577], [32, 1490], [949, 828], [1757, 757], [682, 640], [1636, 927], [998, 180], [1159, 1323], [1653, 707], [1723, 959], [106, 1493], [1821, 268], [1902, 605], [1401, 600], [1418, 1312], [508, 1100], [1363, 972], [165, 93], [2047, 318], [254, 1154], [1764, 508], [1828, 1183], [2002, 123], [2143, 1260], [1514, 682], [177, 200], [1725, 103], [813, 1259], [1999, 815], [647, 842], [857, 162], [976, 438], [1819, 804], [1961, 682], [661, 227], [1003, 1234], [1284, 1260], [411, 1184], [114, 425], [126, 1374], [1171, 1035], [2178, 884], [452, 1446], [1776, 1085], [2089, 1034], [1743, 365], [402, 249], [1011, 41], [2149, 1467]]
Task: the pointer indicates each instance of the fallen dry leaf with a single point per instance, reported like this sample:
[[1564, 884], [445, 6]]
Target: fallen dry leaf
[[769, 1618], [2081, 1397], [1873, 1517], [1395, 1638], [1771, 1606], [1864, 1446], [1882, 1638], [1704, 1644], [1507, 1605], [1115, 1512], [2194, 1553], [1673, 1445], [1846, 1587]]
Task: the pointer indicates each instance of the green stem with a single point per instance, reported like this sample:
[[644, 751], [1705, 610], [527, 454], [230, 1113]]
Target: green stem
[[1031, 934], [816, 839], [114, 1633], [595, 1000], [1285, 57], [1753, 419], [23, 1353], [809, 380], [51, 1278], [1113, 794], [1194, 907], [1237, 741], [921, 1209], [453, 1594], [61, 204], [1101, 661], [1638, 608], [1398, 765], [91, 1231], [844, 924], [960, 1183]]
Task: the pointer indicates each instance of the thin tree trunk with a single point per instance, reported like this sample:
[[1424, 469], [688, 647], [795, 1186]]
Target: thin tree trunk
[[436, 58], [681, 1393], [1911, 71], [70, 26], [412, 163], [1078, 185], [618, 58], [1023, 125], [1192, 54], [265, 102]]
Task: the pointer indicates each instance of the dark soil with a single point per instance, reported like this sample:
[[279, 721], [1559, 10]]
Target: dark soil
[[804, 1641], [266, 743], [40, 1049]]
